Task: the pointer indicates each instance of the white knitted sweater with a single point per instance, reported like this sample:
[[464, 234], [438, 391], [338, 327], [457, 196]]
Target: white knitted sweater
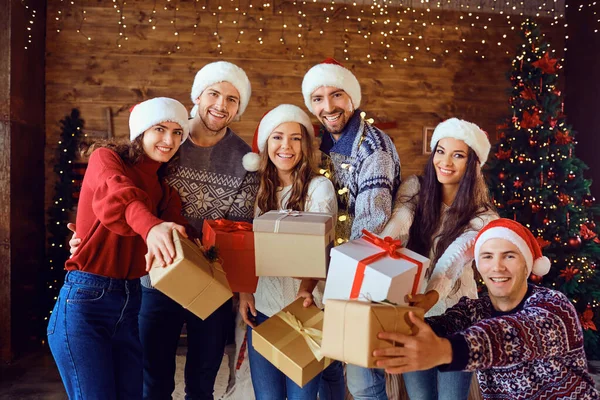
[[456, 261], [274, 293]]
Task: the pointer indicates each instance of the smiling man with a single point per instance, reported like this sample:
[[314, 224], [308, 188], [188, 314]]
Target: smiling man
[[363, 160], [524, 341]]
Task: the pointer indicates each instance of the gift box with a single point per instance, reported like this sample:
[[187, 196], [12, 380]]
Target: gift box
[[293, 243], [291, 341], [350, 329], [374, 269], [191, 279], [234, 242]]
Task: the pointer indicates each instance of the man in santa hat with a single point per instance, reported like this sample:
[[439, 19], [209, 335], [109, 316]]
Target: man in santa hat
[[524, 341], [365, 169]]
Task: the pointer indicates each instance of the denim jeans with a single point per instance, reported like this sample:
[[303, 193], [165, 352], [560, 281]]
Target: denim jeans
[[432, 384], [161, 320], [93, 336], [269, 382], [333, 384], [365, 383]]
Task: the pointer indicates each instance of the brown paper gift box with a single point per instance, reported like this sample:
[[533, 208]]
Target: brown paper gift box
[[191, 280], [286, 348], [296, 244], [350, 329]]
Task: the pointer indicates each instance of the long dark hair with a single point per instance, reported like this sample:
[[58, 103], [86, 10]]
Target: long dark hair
[[302, 174], [131, 152], [472, 199]]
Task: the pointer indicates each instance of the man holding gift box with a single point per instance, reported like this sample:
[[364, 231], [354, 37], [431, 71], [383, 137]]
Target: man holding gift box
[[364, 163], [524, 341]]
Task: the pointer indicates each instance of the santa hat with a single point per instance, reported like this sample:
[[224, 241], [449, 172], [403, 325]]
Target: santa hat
[[154, 111], [222, 71], [468, 132], [271, 120], [521, 237], [330, 73]]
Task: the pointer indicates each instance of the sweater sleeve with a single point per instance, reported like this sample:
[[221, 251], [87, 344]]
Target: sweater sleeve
[[245, 198], [456, 257], [170, 209], [546, 327], [404, 210], [322, 197], [373, 205], [117, 202]]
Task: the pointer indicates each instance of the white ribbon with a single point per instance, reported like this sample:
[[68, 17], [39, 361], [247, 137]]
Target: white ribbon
[[286, 213]]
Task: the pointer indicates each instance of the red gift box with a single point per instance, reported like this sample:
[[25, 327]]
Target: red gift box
[[235, 247]]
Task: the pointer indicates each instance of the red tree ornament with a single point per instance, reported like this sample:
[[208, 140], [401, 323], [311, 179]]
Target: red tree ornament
[[571, 176], [569, 273], [528, 94], [546, 64], [535, 208], [563, 199], [501, 176], [588, 200], [531, 120], [551, 174], [518, 183], [535, 279], [563, 138], [503, 154], [587, 319], [574, 242], [542, 242], [586, 233]]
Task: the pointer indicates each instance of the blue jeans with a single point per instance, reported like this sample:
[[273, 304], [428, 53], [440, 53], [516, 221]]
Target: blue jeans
[[432, 384], [161, 320], [272, 384], [333, 385], [365, 383], [93, 336]]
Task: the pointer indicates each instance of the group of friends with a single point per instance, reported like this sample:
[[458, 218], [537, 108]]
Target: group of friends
[[113, 336]]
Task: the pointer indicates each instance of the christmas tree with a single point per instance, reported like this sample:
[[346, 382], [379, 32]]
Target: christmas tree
[[536, 179]]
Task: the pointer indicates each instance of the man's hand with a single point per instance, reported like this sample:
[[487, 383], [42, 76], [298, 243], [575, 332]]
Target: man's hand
[[424, 301], [422, 351], [75, 241], [247, 304], [160, 243]]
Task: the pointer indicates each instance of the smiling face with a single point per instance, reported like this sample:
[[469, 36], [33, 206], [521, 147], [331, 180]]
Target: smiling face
[[450, 160], [504, 271], [162, 141], [333, 107], [284, 147], [218, 105]]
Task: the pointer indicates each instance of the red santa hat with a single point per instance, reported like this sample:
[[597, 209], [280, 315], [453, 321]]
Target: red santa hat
[[330, 73], [154, 111], [222, 71], [521, 237], [468, 132], [281, 114]]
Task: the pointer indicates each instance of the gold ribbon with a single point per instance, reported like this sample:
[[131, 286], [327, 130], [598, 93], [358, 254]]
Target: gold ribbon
[[312, 336]]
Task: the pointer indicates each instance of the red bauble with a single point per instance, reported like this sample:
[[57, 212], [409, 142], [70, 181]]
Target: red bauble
[[551, 174], [591, 225], [574, 242], [535, 208], [532, 142], [501, 176], [546, 221], [588, 200], [571, 176], [535, 278], [521, 158], [557, 238]]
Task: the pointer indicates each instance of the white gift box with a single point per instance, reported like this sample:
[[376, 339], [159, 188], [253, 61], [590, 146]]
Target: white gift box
[[396, 273]]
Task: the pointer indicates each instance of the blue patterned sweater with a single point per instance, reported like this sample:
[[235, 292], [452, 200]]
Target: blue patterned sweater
[[365, 161], [532, 352]]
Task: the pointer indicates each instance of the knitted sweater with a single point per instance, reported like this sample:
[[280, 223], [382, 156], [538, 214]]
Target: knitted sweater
[[274, 293], [454, 265], [213, 183], [365, 161], [532, 352], [118, 205]]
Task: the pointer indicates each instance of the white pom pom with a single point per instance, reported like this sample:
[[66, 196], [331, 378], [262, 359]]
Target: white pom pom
[[251, 161], [541, 266]]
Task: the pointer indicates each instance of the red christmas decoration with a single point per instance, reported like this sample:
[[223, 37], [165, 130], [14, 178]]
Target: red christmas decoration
[[557, 238], [591, 225], [588, 200], [503, 155], [587, 319], [569, 273], [518, 183], [501, 176], [531, 120], [535, 208], [586, 233], [546, 64], [551, 174], [563, 138], [528, 94], [542, 242], [563, 199], [521, 158], [571, 176], [574, 242], [546, 221], [553, 122], [535, 279], [532, 142]]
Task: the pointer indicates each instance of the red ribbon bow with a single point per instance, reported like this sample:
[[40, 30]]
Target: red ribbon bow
[[232, 226], [390, 247]]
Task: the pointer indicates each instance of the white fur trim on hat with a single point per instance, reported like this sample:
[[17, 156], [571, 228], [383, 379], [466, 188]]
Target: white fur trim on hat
[[154, 111], [251, 162], [466, 131], [326, 74], [500, 232], [222, 71], [279, 115]]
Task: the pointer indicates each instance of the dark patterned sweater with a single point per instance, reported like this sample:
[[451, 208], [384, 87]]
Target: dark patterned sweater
[[532, 352], [365, 161], [213, 183]]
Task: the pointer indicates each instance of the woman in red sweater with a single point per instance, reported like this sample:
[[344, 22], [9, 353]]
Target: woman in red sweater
[[122, 215]]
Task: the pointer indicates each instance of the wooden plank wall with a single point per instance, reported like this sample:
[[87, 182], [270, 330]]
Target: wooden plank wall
[[95, 74]]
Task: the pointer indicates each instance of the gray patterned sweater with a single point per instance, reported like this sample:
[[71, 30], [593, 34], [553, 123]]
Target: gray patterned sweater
[[365, 161], [213, 183]]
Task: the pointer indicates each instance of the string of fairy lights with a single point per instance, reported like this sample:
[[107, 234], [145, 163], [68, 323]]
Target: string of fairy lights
[[409, 28]]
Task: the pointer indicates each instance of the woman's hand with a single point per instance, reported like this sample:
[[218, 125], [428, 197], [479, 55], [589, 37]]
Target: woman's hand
[[75, 241], [424, 301], [308, 297], [160, 243], [247, 304]]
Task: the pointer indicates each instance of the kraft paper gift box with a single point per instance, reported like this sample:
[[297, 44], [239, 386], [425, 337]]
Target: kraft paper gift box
[[235, 247], [191, 280], [293, 243], [280, 341], [350, 329], [372, 268]]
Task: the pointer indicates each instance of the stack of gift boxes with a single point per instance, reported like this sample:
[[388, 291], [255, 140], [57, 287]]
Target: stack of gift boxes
[[367, 281]]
